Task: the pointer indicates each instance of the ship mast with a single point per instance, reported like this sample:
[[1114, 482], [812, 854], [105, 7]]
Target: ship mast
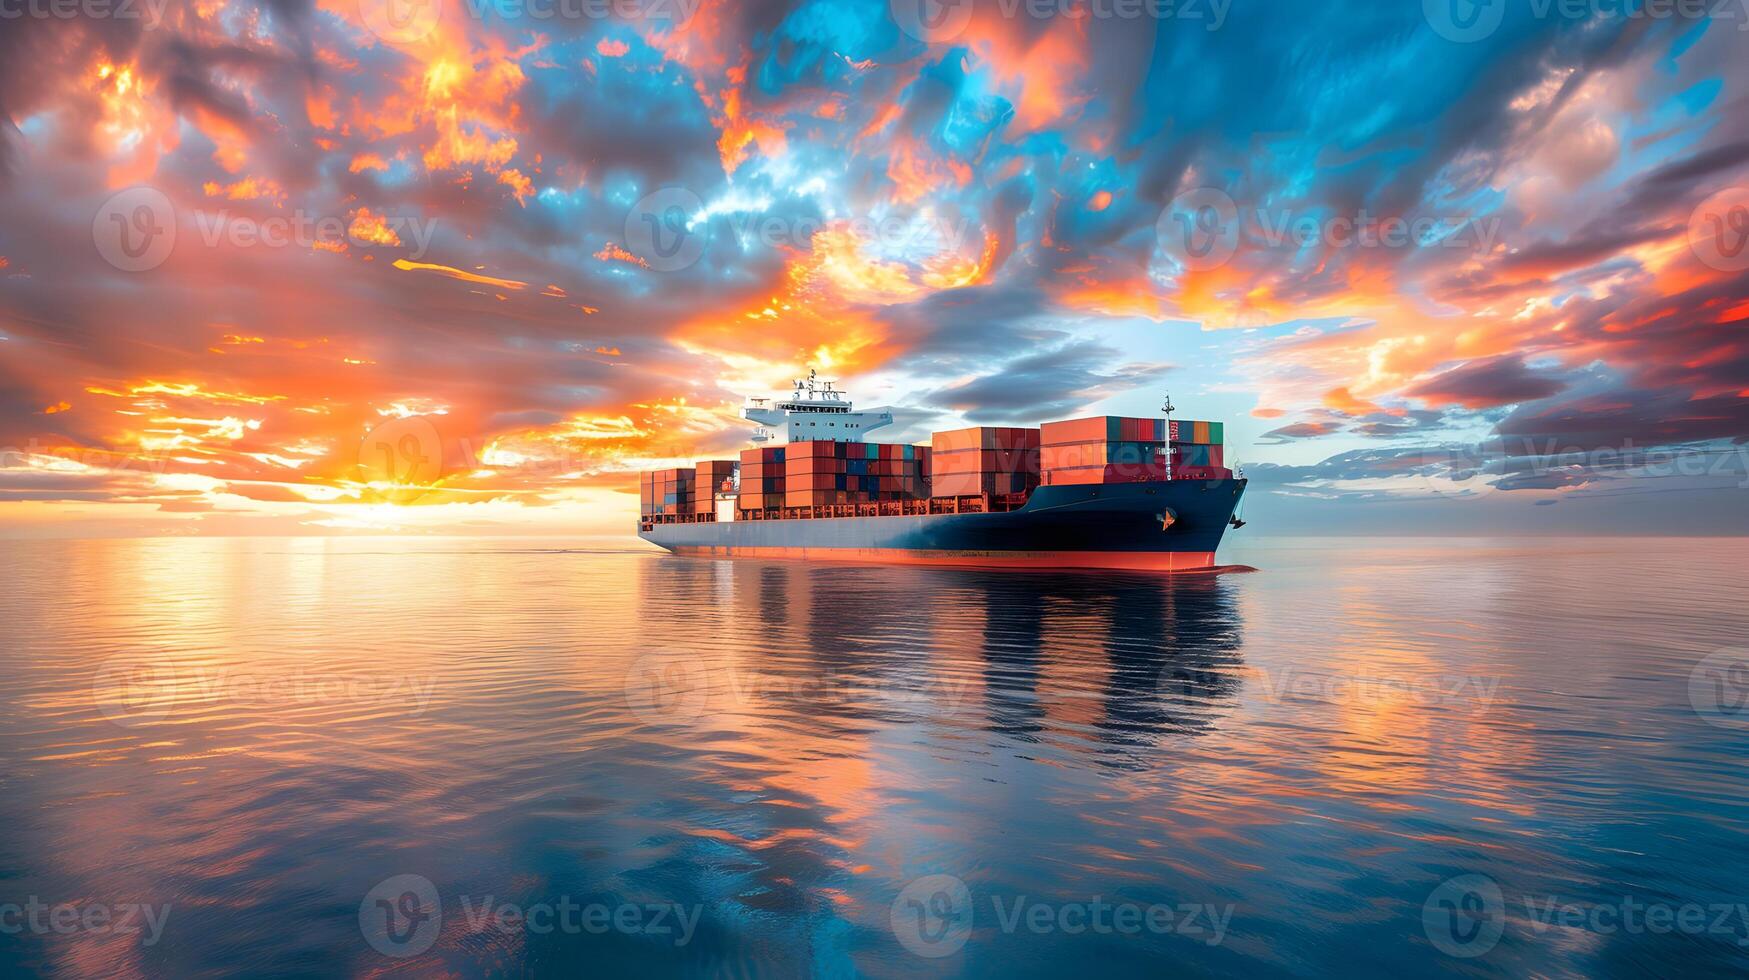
[[1167, 410]]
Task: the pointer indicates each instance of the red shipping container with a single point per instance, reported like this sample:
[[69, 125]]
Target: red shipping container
[[1075, 430], [987, 461], [984, 437], [815, 498], [809, 466], [1098, 454], [1119, 473]]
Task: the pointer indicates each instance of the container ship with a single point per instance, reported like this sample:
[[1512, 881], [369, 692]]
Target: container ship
[[1106, 492]]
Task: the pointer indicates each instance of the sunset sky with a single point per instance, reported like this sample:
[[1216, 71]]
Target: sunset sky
[[1441, 272]]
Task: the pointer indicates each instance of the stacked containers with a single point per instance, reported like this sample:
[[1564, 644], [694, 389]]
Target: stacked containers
[[710, 476], [670, 491], [762, 478], [984, 459], [1197, 450], [1103, 449], [823, 473]]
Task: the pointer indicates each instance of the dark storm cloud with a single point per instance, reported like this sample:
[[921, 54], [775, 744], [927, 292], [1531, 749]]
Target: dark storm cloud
[[1483, 384], [1056, 383], [1300, 430]]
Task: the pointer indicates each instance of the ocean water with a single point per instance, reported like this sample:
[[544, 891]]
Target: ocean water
[[472, 757]]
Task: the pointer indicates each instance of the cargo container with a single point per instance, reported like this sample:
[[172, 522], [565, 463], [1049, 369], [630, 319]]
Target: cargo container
[[983, 460], [1104, 449], [1102, 428], [711, 477], [863, 472], [1100, 454], [1199, 433], [963, 484], [669, 491], [1117, 473], [986, 461], [984, 437]]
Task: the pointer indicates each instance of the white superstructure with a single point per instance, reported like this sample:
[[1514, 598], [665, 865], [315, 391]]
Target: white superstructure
[[814, 410]]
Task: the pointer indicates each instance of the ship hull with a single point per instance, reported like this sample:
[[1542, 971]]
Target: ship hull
[[1105, 526]]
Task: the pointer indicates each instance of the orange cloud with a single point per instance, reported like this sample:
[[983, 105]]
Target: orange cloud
[[612, 252], [453, 273]]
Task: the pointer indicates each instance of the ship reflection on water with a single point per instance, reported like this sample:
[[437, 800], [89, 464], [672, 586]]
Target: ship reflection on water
[[1107, 663], [292, 747]]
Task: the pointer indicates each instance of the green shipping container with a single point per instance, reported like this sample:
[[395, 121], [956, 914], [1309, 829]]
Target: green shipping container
[[1217, 433]]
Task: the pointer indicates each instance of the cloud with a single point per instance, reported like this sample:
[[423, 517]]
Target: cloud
[[1487, 383], [1052, 384]]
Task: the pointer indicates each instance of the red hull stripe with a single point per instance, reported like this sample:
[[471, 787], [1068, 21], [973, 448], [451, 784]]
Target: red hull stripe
[[1167, 561]]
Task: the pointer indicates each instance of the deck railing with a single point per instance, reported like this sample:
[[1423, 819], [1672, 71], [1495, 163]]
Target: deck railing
[[986, 503]]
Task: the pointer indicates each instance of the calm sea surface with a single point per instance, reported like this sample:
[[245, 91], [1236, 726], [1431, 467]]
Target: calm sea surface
[[495, 757]]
